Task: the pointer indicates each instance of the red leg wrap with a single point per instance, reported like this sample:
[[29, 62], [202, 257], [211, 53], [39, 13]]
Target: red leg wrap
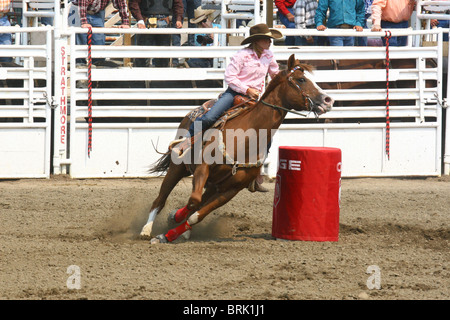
[[181, 214], [174, 233]]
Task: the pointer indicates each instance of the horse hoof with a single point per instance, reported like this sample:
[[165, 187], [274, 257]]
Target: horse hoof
[[187, 235], [147, 230], [159, 239]]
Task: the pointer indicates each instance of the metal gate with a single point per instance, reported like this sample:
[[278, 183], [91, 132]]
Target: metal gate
[[25, 111]]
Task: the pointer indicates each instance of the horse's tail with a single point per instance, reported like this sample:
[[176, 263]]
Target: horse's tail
[[161, 165]]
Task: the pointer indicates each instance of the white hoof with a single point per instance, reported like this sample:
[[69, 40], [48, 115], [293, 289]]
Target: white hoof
[[159, 239], [147, 230], [186, 234]]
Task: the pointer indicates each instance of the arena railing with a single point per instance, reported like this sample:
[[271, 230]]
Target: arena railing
[[25, 106], [157, 105]]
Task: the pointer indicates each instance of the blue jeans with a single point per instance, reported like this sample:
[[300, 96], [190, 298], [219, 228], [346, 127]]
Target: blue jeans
[[289, 41], [444, 24], [5, 38], [302, 41], [96, 20], [189, 7], [395, 41], [341, 41], [362, 41], [222, 104], [153, 40]]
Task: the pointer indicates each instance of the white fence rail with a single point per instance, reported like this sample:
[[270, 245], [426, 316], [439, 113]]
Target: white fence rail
[[25, 115], [137, 108]]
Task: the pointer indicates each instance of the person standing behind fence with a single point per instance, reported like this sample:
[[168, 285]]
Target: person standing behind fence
[[305, 11], [344, 14], [5, 38], [202, 20], [155, 14], [91, 13], [441, 24], [362, 41], [286, 16], [392, 14]]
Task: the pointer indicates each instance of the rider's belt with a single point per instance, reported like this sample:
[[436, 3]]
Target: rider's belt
[[158, 17], [344, 26], [90, 12]]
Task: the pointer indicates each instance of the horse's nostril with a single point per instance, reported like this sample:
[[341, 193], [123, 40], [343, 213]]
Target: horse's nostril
[[328, 99]]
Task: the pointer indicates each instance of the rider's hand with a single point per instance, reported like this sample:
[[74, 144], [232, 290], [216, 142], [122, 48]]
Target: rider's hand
[[321, 27], [253, 93]]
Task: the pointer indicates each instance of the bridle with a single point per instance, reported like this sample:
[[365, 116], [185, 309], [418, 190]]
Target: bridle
[[310, 103]]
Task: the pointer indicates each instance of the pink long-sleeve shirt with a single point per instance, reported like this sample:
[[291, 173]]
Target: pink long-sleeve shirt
[[246, 70], [392, 10]]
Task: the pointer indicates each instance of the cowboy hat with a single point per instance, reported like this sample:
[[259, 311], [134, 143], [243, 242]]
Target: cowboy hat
[[200, 15], [260, 31]]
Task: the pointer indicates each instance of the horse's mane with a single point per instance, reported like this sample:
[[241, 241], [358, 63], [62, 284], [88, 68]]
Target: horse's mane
[[281, 76]]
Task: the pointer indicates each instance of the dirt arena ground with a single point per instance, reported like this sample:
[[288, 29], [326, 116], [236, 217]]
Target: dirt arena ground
[[399, 225]]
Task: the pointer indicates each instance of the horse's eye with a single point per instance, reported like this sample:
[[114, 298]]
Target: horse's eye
[[301, 80]]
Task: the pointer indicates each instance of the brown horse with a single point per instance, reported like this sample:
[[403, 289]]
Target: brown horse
[[222, 180]]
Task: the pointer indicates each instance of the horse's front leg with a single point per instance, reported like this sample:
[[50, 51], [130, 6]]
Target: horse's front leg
[[198, 184]]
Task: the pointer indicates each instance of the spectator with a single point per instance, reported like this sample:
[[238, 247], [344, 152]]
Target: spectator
[[189, 8], [441, 24], [155, 14], [203, 20], [305, 11], [91, 13], [392, 14], [286, 16], [5, 38], [344, 14], [362, 41]]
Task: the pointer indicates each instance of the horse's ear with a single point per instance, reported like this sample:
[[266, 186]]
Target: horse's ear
[[291, 61]]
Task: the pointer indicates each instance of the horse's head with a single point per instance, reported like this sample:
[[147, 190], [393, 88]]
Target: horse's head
[[301, 92]]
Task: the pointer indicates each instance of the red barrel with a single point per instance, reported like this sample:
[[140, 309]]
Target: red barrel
[[307, 194]]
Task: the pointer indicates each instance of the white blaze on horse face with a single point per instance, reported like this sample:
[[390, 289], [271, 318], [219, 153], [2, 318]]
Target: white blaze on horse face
[[147, 229], [310, 77]]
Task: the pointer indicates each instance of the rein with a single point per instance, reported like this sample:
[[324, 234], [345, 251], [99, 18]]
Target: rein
[[310, 102]]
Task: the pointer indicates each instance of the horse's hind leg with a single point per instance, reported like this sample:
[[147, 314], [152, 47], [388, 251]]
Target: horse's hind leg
[[174, 174], [215, 201]]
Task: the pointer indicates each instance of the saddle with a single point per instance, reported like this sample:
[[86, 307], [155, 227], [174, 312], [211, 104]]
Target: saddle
[[241, 104]]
